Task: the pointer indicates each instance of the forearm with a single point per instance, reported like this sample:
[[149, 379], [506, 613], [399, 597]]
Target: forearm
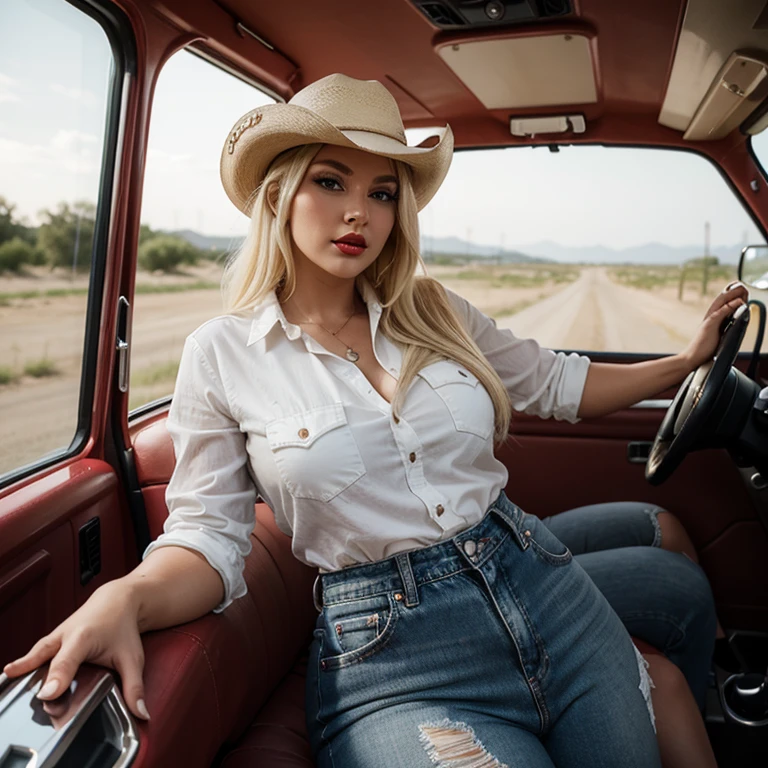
[[172, 586], [611, 387]]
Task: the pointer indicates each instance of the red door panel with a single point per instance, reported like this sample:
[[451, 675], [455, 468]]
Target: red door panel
[[556, 466], [39, 549]]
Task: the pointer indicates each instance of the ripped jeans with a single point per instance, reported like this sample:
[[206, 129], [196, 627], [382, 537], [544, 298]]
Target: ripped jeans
[[491, 649]]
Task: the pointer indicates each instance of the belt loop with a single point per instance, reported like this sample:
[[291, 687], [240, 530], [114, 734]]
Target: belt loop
[[512, 522], [403, 561], [317, 594]]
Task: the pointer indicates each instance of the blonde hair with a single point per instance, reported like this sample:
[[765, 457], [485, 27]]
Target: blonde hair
[[417, 312]]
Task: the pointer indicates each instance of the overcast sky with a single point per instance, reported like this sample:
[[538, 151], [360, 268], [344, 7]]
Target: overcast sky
[[54, 73]]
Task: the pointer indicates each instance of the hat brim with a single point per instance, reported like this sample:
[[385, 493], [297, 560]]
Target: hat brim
[[262, 134]]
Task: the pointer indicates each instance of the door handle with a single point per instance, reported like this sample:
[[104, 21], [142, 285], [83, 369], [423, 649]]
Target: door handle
[[639, 451], [123, 343]]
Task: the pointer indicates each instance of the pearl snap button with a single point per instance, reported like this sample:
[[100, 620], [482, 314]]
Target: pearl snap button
[[303, 433]]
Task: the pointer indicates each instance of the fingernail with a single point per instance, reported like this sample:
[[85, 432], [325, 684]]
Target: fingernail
[[48, 689], [142, 707]]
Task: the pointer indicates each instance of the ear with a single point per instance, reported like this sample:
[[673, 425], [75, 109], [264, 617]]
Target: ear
[[273, 194]]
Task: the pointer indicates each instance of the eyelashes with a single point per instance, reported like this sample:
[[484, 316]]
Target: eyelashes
[[334, 184]]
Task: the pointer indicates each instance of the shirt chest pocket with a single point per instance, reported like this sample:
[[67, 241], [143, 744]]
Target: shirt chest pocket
[[315, 452], [468, 402]]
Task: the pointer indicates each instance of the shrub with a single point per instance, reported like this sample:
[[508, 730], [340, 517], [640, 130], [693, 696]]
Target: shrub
[[41, 368], [6, 375], [166, 253], [66, 235], [14, 254]]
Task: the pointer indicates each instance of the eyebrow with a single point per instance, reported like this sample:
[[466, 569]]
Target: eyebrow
[[348, 171]]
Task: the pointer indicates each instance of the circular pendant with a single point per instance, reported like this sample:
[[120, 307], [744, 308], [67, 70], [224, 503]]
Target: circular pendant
[[352, 356]]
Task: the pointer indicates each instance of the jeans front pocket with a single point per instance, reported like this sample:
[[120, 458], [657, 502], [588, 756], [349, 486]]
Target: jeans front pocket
[[316, 452], [356, 630], [543, 542]]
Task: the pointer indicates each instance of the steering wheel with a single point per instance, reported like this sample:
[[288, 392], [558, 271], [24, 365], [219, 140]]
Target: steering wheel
[[694, 402]]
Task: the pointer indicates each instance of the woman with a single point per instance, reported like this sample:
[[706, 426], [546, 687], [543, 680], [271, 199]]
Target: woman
[[362, 404]]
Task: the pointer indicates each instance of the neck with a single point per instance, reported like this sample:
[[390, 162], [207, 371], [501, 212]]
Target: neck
[[328, 304]]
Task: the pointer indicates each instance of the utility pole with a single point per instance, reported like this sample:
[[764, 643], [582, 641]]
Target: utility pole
[[705, 264]]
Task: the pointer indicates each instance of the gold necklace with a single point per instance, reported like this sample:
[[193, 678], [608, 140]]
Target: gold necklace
[[350, 354]]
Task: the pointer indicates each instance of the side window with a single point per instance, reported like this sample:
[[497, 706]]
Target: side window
[[588, 248], [188, 223], [56, 71], [760, 148]]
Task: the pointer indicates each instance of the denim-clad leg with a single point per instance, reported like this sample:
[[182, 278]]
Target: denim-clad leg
[[494, 645], [661, 597], [598, 527]]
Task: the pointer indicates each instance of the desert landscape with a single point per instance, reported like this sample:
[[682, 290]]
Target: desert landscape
[[563, 306]]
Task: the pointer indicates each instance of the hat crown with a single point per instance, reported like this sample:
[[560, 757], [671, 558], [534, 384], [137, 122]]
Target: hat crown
[[353, 105]]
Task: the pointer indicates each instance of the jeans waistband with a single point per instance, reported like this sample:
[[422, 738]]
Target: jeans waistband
[[405, 572]]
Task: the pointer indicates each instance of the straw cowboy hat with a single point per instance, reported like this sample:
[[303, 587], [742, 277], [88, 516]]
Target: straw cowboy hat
[[339, 110]]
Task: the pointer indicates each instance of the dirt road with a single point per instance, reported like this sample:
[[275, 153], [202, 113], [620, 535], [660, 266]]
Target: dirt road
[[594, 313]]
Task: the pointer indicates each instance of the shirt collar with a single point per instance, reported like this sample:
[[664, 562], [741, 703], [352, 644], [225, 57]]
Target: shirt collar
[[269, 312]]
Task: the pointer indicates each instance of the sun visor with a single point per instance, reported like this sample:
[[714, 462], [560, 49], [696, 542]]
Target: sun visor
[[735, 93], [711, 31], [533, 71]]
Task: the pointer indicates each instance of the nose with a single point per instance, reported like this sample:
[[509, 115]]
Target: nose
[[357, 211]]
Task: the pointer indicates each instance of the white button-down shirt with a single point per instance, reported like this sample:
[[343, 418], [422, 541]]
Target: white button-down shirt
[[260, 407]]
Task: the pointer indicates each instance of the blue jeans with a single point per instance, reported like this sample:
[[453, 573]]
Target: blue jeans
[[661, 597], [493, 645]]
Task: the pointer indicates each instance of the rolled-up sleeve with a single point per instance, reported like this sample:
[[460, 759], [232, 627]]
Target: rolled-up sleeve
[[539, 381], [211, 495]]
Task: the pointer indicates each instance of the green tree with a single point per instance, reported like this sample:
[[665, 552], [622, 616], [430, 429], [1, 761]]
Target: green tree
[[11, 227], [14, 254], [66, 236], [166, 253], [146, 233]]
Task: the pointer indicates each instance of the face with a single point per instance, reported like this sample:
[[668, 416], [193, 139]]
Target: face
[[343, 212]]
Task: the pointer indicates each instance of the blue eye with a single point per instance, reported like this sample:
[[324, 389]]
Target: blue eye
[[328, 182], [388, 197]]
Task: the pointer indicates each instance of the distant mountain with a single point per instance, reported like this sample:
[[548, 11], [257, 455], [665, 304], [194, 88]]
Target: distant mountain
[[208, 242], [544, 250], [650, 253], [457, 247]]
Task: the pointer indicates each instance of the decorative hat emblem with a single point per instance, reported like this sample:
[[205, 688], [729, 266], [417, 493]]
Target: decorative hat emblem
[[249, 122]]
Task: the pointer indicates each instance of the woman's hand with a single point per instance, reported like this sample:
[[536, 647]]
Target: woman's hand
[[104, 631], [703, 345]]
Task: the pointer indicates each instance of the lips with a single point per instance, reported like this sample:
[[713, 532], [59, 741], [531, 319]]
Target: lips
[[353, 239], [351, 244]]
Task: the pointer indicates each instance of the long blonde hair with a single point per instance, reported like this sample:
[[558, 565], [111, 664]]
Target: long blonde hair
[[417, 312]]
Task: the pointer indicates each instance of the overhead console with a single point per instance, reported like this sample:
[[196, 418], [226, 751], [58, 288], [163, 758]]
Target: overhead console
[[481, 14]]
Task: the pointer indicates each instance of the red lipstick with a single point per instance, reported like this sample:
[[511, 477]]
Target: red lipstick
[[351, 244]]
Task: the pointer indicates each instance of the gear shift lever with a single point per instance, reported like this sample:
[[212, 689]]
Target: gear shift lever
[[746, 697]]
